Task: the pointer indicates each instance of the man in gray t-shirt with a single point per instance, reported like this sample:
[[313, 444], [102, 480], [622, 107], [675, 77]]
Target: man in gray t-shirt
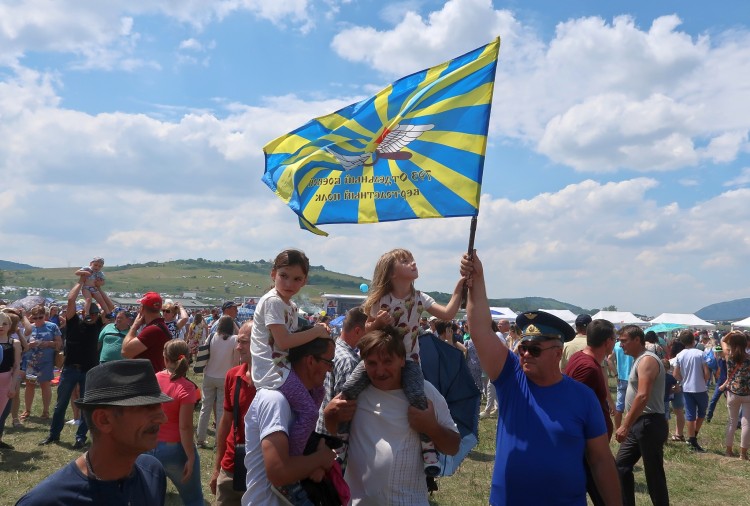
[[644, 429]]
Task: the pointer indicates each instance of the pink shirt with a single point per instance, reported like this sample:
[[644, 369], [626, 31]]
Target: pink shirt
[[183, 391]]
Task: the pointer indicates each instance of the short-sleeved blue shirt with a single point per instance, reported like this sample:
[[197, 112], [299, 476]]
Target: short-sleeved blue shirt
[[146, 485], [541, 439]]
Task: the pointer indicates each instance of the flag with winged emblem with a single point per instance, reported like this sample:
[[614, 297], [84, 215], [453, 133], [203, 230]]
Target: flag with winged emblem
[[414, 150]]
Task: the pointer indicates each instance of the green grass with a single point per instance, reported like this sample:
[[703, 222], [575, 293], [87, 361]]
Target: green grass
[[708, 479]]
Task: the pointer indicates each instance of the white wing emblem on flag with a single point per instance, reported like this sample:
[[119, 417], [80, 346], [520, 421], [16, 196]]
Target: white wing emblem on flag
[[389, 146], [349, 162]]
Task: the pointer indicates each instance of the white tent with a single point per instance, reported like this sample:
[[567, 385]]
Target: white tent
[[500, 313], [619, 318], [563, 314], [742, 323], [683, 319]]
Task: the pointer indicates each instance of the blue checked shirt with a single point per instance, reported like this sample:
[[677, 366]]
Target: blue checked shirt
[[345, 359]]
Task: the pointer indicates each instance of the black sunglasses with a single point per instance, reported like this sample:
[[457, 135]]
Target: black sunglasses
[[533, 350], [321, 359]]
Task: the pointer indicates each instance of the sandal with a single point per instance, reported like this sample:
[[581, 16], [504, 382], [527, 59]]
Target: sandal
[[675, 437], [45, 416], [24, 415]]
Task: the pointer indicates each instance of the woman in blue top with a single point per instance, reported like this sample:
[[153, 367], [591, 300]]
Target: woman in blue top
[[44, 342]]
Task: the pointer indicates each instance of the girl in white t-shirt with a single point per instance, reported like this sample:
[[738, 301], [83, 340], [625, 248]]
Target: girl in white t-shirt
[[394, 301], [274, 332]]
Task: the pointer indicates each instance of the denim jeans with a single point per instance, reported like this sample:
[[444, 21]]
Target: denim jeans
[[69, 378], [172, 457], [714, 400]]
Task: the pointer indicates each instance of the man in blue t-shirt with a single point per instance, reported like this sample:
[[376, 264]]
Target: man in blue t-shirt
[[122, 407], [547, 422]]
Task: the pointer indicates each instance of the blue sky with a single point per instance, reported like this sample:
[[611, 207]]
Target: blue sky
[[617, 171]]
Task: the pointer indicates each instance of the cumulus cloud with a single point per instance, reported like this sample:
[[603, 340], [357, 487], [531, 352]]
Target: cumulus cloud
[[599, 96], [599, 242], [417, 42], [103, 34], [741, 180], [41, 141]]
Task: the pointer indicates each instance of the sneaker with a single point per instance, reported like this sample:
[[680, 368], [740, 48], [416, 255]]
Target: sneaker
[[73, 422], [293, 494], [693, 443], [49, 440], [430, 459]]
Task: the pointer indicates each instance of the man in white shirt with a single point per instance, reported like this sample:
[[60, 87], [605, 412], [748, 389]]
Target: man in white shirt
[[692, 372], [385, 422], [267, 425]]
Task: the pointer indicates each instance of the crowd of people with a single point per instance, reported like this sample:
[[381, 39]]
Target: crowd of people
[[302, 417]]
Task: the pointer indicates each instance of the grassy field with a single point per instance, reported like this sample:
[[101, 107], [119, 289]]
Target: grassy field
[[706, 479]]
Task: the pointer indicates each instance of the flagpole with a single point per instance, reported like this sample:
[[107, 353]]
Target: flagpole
[[472, 235]]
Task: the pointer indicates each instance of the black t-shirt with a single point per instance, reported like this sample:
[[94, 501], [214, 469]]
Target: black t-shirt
[[9, 356], [81, 343]]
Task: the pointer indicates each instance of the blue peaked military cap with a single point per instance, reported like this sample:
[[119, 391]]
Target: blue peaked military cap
[[541, 326]]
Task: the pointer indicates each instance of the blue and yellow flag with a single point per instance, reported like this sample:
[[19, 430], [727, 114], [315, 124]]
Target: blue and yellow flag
[[414, 150]]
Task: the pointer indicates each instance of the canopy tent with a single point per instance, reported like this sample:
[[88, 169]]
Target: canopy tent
[[619, 318], [499, 313], [563, 314], [664, 327], [742, 323], [689, 320]]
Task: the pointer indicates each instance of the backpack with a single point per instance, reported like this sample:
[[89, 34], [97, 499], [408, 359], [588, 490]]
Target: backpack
[[710, 359], [204, 353]]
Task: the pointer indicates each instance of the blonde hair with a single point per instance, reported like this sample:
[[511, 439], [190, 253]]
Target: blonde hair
[[14, 321], [169, 306], [5, 318], [381, 277]]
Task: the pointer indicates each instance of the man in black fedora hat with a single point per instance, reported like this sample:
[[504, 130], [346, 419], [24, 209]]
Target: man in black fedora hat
[[122, 407], [547, 422]]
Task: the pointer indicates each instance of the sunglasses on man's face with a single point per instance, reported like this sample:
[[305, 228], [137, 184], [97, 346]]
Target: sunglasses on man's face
[[325, 360], [533, 349]]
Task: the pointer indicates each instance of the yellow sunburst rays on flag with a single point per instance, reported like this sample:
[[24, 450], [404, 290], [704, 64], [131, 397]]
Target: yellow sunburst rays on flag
[[414, 150]]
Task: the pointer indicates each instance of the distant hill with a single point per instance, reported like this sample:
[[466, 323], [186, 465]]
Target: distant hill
[[726, 311], [227, 279], [14, 266], [522, 304], [208, 279]]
